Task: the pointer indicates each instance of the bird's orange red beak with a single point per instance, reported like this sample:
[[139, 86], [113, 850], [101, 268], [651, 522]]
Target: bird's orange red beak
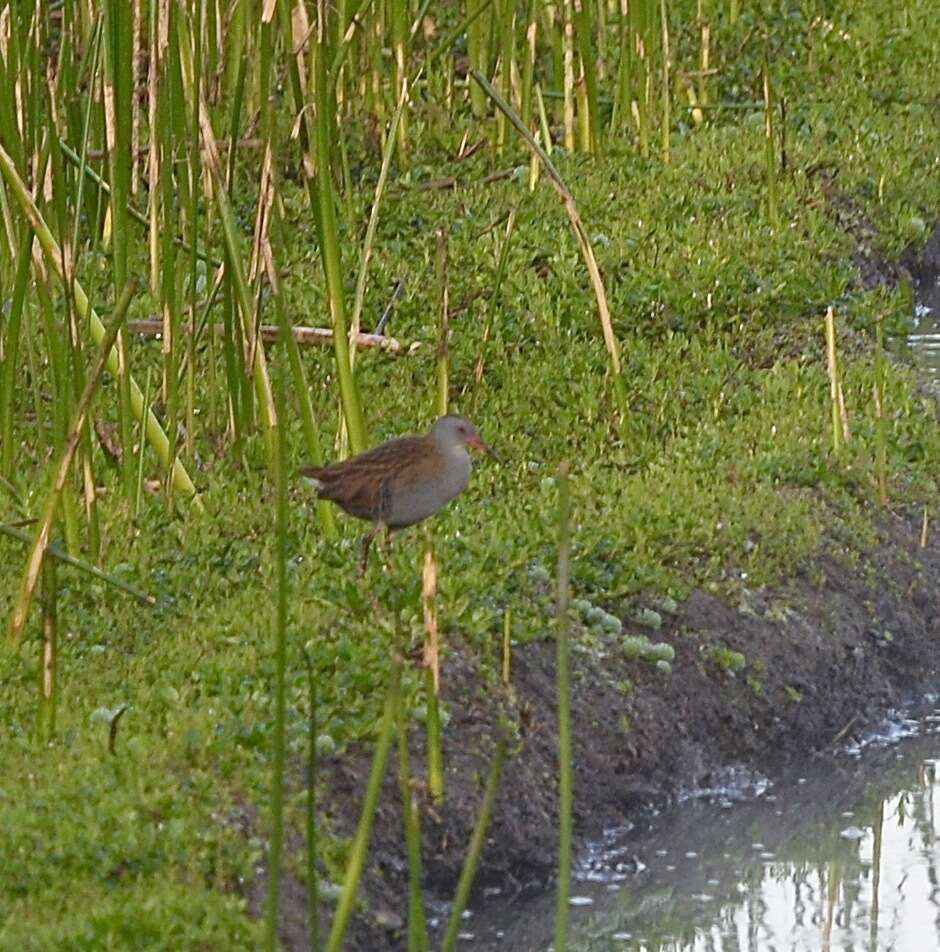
[[478, 443]]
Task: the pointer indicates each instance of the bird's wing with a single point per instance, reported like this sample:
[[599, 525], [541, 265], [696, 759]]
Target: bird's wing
[[361, 485]]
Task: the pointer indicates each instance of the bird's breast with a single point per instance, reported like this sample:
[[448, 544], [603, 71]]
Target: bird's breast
[[425, 493]]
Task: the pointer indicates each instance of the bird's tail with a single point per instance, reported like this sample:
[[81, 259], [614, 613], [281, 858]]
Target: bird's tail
[[314, 476]]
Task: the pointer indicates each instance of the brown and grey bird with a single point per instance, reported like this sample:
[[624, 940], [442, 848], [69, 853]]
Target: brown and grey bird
[[403, 481]]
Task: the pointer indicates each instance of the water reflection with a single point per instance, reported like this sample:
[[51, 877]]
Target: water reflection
[[844, 857], [924, 339]]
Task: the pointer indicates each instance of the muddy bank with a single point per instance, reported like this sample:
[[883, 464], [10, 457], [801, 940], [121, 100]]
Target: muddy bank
[[759, 679], [825, 657]]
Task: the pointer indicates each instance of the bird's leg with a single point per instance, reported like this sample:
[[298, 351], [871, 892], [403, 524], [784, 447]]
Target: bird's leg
[[366, 542], [389, 533]]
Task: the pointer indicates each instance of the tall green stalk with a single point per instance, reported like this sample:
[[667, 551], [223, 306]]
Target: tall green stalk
[[417, 925], [432, 669], [329, 239], [118, 50], [360, 844], [313, 887], [280, 664], [11, 345], [584, 30], [468, 873], [564, 712]]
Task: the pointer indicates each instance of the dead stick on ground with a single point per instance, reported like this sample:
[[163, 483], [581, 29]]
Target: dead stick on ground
[[323, 336]]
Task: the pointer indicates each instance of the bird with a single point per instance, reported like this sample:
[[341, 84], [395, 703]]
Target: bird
[[402, 481]]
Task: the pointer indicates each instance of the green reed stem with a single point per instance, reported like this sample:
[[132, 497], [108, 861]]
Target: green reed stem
[[505, 16], [564, 712], [399, 37], [280, 664], [329, 241], [835, 382], [313, 889], [11, 346], [417, 925], [57, 357], [477, 34], [667, 86], [467, 874], [118, 51], [360, 845], [368, 242], [36, 557], [583, 27]]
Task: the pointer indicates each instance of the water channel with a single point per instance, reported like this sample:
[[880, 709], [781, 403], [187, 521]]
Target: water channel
[[840, 856]]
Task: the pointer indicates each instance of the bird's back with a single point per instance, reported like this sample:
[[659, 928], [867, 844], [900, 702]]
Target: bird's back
[[362, 485]]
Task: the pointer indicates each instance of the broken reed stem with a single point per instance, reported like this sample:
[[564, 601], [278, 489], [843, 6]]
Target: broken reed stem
[[584, 243], [564, 712], [840, 421], [443, 323], [881, 422], [53, 551], [432, 661], [507, 647], [923, 530], [770, 158], [417, 925], [468, 872], [360, 844], [36, 557], [47, 659]]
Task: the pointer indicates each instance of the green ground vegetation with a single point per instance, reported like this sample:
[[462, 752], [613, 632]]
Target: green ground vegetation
[[720, 474]]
